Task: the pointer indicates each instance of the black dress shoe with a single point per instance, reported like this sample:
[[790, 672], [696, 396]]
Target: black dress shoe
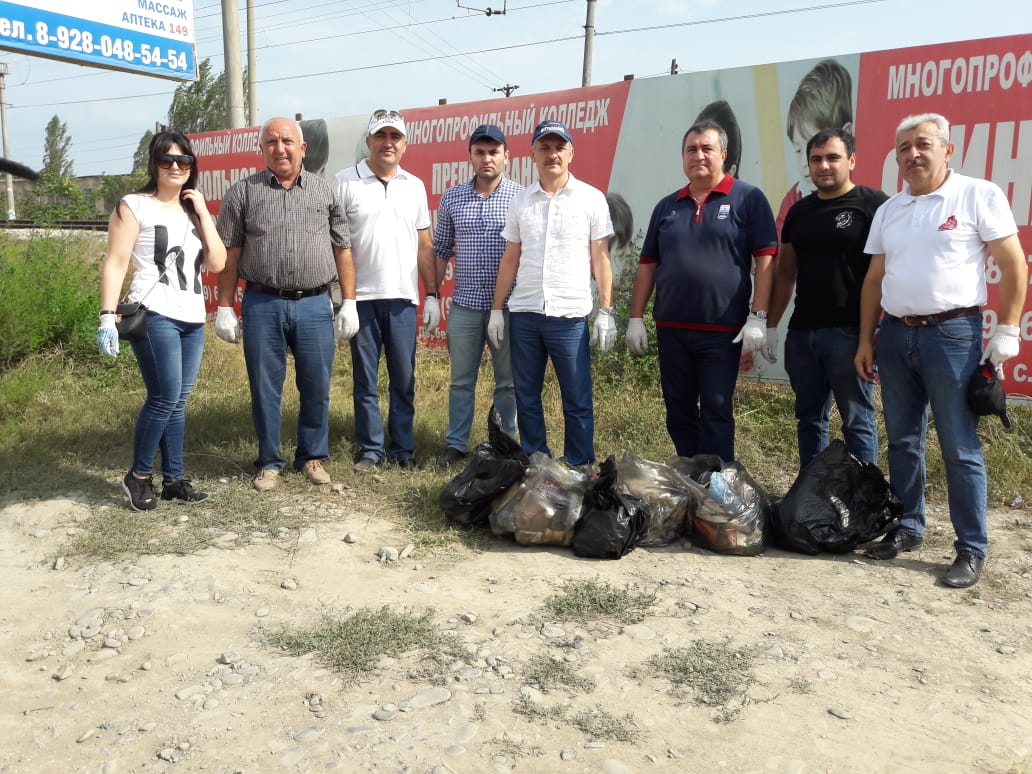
[[895, 543], [408, 464], [451, 456], [966, 570]]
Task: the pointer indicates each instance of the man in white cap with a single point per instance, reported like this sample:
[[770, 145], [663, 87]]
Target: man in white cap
[[389, 220], [557, 233]]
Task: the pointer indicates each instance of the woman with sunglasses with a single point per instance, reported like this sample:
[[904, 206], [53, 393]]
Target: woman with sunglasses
[[167, 234]]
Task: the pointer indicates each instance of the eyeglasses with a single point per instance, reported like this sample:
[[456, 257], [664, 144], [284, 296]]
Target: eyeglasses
[[166, 160], [392, 115]]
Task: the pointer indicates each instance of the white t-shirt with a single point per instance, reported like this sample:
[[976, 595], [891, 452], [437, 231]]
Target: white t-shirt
[[383, 220], [555, 235], [168, 242], [934, 245]]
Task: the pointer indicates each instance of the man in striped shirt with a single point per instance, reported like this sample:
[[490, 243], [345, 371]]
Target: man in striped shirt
[[470, 218]]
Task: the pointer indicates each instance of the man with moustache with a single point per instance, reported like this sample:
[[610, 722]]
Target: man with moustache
[[557, 236], [929, 245], [822, 256], [469, 225], [698, 255], [389, 220], [286, 236]]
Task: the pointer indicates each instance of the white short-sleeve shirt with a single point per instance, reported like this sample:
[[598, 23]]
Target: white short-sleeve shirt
[[935, 245], [383, 219], [167, 259], [555, 235]]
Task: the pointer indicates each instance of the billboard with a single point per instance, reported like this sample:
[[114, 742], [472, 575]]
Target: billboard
[[627, 136], [152, 37]]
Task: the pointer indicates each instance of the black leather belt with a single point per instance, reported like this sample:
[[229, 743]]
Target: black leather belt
[[289, 295], [919, 320]]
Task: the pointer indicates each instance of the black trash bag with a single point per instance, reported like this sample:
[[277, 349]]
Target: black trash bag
[[733, 513], [612, 523], [837, 503], [495, 466]]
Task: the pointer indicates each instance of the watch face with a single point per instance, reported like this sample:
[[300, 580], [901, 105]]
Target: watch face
[[761, 315]]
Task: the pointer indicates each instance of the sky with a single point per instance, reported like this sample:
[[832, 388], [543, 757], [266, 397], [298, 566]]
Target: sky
[[349, 57]]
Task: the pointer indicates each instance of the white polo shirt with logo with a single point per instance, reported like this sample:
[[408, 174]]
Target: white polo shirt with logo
[[935, 245], [555, 235], [383, 220]]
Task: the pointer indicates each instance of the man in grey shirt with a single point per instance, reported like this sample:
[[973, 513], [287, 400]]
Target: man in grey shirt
[[287, 238]]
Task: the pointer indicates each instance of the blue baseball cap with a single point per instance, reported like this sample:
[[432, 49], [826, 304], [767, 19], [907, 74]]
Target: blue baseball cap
[[488, 132], [551, 127]]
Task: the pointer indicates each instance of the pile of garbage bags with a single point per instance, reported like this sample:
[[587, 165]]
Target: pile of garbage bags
[[837, 503]]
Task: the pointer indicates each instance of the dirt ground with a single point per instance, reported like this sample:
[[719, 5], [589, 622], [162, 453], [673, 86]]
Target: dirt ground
[[158, 665]]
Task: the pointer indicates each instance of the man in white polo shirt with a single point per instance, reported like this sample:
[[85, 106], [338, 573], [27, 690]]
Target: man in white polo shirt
[[929, 245], [389, 220], [557, 236]]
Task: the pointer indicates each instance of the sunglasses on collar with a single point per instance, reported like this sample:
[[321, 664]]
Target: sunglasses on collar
[[166, 160]]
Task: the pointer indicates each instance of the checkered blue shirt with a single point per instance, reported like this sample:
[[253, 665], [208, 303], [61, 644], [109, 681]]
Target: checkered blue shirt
[[470, 228]]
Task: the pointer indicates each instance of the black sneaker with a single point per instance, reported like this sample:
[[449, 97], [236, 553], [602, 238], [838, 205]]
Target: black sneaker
[[140, 491], [182, 491]]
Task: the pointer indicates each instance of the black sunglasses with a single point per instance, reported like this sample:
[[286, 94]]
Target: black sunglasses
[[166, 160]]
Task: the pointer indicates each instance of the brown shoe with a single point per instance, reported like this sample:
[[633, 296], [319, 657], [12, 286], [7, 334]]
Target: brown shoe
[[266, 479], [315, 472]]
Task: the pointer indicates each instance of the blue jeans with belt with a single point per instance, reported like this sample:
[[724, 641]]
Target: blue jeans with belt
[[820, 365], [272, 325], [388, 326], [534, 339], [931, 366], [169, 359], [467, 334]]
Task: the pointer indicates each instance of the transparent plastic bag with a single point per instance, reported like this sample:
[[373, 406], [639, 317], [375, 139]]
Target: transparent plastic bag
[[669, 495], [544, 507]]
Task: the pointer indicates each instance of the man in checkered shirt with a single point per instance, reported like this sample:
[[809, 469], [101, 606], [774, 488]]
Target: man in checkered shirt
[[470, 218]]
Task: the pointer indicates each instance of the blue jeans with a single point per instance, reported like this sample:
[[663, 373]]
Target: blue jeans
[[169, 359], [820, 365], [534, 338], [273, 325], [924, 366], [698, 371], [467, 334], [387, 326]]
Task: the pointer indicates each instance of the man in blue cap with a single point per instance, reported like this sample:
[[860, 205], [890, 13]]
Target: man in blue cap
[[557, 233], [470, 218]]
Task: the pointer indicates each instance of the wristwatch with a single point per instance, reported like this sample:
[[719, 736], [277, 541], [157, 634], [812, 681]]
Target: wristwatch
[[762, 315]]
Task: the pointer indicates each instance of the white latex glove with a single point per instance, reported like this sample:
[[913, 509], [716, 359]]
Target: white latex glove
[[431, 314], [345, 324], [752, 335], [1003, 345], [637, 337], [496, 327], [603, 334], [107, 335], [227, 324], [770, 346]]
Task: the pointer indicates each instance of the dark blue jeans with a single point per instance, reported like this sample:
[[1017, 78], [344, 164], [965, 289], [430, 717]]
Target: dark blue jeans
[[387, 326], [169, 359], [820, 365], [272, 325], [931, 366], [698, 371], [534, 339]]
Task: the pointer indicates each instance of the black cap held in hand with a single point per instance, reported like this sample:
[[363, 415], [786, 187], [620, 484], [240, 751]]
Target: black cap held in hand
[[985, 394]]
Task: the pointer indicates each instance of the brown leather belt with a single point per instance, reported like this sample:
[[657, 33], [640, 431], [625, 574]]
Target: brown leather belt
[[919, 320], [289, 295]]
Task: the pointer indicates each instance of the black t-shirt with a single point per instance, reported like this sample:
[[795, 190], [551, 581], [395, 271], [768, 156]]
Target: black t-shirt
[[828, 236]]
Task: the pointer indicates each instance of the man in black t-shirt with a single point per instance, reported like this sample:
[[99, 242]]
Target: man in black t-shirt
[[822, 256]]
